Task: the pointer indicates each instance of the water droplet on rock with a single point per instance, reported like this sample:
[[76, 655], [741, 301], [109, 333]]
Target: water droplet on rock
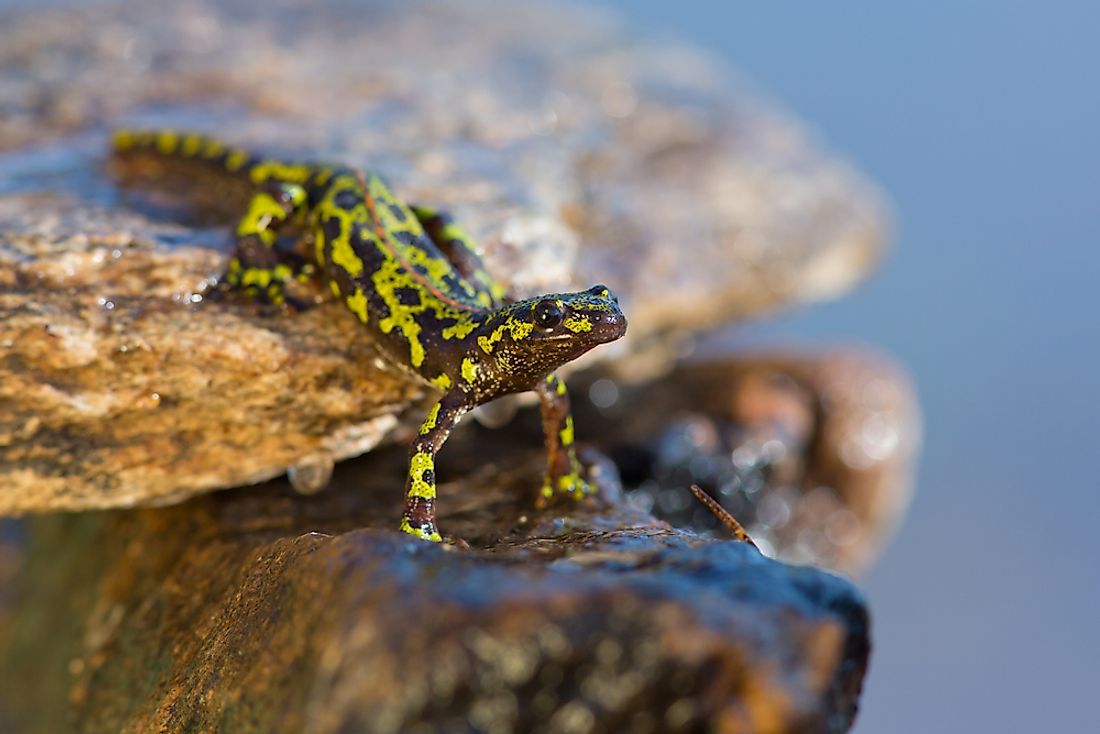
[[312, 474]]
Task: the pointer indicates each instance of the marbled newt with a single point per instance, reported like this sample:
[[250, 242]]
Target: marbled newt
[[415, 279]]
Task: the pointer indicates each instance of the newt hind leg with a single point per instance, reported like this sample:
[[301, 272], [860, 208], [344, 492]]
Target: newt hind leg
[[564, 472], [256, 266]]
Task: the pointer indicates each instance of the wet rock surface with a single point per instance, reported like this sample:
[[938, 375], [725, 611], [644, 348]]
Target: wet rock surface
[[575, 153], [262, 610], [813, 453]]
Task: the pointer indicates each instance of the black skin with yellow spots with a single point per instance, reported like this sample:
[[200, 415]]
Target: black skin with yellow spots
[[416, 280]]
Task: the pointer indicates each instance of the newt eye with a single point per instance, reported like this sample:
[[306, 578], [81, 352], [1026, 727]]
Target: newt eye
[[548, 314], [602, 291]]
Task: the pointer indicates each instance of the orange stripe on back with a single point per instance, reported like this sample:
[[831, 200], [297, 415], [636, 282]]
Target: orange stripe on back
[[384, 236]]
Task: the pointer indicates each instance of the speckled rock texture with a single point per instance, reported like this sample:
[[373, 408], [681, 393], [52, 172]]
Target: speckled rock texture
[[264, 611], [574, 152]]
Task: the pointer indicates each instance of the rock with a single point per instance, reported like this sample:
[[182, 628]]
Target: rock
[[814, 453], [115, 390], [260, 610], [540, 129]]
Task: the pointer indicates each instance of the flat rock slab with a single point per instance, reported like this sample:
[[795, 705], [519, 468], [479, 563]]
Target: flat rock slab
[[543, 130], [263, 611]]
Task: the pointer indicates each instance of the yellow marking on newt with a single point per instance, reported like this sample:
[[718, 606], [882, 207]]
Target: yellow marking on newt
[[518, 329], [577, 325], [123, 139], [212, 148], [279, 171], [167, 143], [261, 211], [343, 254], [256, 276], [236, 159], [391, 277], [566, 433], [469, 369], [461, 329], [407, 527], [191, 145], [419, 463], [319, 249], [357, 302], [387, 279], [434, 269], [571, 483], [429, 422], [443, 381]]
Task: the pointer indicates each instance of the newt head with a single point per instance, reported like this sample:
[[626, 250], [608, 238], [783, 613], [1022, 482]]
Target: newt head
[[529, 339]]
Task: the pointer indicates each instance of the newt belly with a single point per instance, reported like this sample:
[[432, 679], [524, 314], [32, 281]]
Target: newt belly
[[415, 279]]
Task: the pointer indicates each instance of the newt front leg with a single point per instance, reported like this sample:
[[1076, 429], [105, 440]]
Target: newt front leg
[[564, 473], [419, 516]]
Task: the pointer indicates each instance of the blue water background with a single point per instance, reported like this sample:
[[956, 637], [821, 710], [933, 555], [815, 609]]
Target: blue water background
[[982, 122]]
